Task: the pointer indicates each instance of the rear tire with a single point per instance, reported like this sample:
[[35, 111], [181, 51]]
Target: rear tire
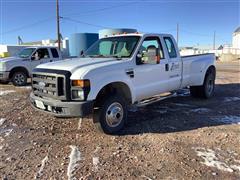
[[207, 89], [19, 78], [111, 115]]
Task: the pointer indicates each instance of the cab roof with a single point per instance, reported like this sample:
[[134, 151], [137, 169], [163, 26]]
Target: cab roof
[[137, 34]]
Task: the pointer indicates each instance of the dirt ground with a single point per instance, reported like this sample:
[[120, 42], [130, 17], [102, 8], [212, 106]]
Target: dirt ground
[[178, 138]]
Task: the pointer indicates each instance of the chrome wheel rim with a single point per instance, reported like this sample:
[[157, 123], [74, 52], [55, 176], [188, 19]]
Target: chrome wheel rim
[[114, 114], [19, 78]]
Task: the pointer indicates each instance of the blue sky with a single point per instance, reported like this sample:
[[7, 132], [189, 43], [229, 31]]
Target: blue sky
[[198, 19]]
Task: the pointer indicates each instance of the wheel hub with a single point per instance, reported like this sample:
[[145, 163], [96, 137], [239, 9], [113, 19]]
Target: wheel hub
[[114, 114], [19, 78]]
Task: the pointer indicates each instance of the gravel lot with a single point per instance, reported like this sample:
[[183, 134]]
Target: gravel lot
[[178, 138]]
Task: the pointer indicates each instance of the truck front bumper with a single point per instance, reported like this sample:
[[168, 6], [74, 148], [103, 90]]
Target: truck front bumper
[[60, 108], [4, 75]]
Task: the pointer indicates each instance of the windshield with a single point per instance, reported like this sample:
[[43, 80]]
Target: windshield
[[25, 53], [122, 46]]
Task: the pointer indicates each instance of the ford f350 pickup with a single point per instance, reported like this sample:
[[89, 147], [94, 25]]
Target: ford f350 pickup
[[18, 69], [118, 72]]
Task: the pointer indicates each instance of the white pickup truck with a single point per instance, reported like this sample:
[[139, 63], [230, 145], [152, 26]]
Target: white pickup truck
[[18, 69], [118, 72]]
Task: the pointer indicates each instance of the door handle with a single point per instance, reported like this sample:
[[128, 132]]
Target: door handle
[[130, 73], [166, 67]]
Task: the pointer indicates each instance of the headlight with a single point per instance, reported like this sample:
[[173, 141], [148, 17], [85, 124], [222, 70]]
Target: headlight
[[80, 89], [2, 66], [78, 94]]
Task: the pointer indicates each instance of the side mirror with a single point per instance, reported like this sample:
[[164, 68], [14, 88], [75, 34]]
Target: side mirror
[[139, 58]]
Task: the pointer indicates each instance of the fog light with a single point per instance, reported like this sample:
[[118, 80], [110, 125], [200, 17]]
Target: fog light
[[78, 94]]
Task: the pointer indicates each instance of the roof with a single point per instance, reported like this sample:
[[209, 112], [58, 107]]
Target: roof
[[137, 34], [237, 30]]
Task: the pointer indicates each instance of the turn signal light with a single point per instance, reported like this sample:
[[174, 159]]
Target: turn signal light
[[81, 83]]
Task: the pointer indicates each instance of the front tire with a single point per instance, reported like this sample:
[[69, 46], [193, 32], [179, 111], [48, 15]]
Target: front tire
[[19, 79], [111, 115]]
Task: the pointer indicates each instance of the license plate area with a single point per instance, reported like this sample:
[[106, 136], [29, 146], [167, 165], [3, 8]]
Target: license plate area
[[40, 104]]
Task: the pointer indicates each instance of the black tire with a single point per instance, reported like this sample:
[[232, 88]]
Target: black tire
[[194, 91], [111, 116], [19, 78], [207, 89]]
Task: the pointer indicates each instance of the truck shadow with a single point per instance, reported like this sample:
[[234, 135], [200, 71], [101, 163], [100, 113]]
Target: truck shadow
[[184, 113]]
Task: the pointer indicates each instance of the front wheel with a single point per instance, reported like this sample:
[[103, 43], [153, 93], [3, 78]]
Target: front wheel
[[19, 79], [111, 115]]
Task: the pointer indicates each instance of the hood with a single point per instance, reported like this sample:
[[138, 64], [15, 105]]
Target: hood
[[9, 59], [76, 63]]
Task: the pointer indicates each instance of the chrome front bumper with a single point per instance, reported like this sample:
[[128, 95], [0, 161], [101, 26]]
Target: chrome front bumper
[[62, 108]]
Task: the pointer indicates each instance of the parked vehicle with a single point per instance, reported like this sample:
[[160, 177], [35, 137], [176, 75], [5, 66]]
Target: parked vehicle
[[18, 69], [116, 73]]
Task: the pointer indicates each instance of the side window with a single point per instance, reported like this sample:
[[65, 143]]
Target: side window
[[151, 51], [170, 47], [105, 47], [41, 53], [54, 53]]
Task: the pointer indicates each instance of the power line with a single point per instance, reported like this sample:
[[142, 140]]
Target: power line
[[32, 25], [47, 19], [103, 9], [195, 33], [82, 22]]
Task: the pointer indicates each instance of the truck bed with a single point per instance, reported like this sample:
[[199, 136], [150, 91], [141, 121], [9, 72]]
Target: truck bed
[[197, 55]]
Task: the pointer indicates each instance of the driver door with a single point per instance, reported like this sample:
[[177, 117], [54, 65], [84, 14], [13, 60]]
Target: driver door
[[151, 75], [40, 56]]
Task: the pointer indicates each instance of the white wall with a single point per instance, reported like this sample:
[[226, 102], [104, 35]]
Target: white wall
[[13, 50], [236, 40]]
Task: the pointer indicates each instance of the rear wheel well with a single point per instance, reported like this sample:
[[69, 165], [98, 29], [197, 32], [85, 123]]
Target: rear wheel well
[[211, 69], [18, 69], [114, 88]]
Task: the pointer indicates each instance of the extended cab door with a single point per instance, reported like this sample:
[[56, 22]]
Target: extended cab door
[[150, 76], [175, 63]]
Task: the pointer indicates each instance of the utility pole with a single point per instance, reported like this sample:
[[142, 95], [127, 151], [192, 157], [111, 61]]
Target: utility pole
[[177, 33], [214, 40], [58, 27]]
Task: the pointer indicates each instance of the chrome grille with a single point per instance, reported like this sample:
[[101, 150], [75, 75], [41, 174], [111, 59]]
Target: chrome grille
[[49, 85]]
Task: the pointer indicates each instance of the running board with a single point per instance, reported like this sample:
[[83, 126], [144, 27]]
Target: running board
[[152, 100]]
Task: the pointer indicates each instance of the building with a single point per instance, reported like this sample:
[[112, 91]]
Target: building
[[224, 52], [236, 38], [13, 50]]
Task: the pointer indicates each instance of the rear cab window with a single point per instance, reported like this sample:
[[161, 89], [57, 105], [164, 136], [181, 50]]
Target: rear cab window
[[170, 47], [54, 53]]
